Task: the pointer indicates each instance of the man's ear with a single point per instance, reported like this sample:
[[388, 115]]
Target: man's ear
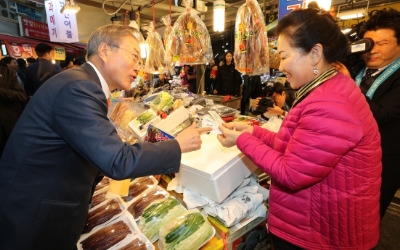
[[103, 50]]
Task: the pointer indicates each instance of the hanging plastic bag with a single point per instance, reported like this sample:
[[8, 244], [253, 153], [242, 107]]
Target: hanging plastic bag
[[167, 37], [190, 41], [251, 40], [155, 61]]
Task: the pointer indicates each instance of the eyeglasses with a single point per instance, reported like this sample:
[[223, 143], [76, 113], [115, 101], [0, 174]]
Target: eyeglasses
[[135, 56]]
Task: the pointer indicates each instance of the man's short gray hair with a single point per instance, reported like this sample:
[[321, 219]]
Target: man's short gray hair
[[111, 34]]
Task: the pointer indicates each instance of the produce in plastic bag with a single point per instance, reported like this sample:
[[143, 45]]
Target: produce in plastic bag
[[190, 41], [155, 61], [162, 102], [251, 40], [157, 214], [188, 231]]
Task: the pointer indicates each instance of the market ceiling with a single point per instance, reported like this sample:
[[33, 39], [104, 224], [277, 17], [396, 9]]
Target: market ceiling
[[118, 8]]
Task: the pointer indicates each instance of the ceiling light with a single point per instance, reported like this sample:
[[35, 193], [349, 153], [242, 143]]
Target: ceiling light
[[219, 16], [353, 10], [70, 7]]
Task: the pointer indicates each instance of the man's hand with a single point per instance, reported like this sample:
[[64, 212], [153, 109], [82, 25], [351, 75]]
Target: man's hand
[[189, 139]]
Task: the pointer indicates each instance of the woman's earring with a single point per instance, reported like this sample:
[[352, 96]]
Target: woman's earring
[[315, 71]]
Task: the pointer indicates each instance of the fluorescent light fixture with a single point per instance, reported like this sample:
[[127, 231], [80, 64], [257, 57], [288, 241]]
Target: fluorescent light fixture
[[353, 10], [70, 7], [219, 16]]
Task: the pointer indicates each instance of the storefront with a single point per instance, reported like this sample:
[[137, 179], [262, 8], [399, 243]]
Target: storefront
[[25, 47]]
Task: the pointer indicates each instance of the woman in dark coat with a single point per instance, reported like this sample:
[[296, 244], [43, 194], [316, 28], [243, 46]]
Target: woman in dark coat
[[228, 79]]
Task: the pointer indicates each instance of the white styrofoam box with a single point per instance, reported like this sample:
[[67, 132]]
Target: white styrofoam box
[[173, 120], [214, 171]]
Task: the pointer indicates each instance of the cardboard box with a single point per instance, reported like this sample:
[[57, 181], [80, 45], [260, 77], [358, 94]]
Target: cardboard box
[[214, 171]]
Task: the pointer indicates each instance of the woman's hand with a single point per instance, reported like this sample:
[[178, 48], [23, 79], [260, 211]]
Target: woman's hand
[[231, 131]]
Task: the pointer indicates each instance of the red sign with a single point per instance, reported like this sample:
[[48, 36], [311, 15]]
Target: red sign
[[17, 49], [33, 29]]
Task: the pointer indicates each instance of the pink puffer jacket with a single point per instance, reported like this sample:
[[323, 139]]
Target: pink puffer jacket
[[325, 166]]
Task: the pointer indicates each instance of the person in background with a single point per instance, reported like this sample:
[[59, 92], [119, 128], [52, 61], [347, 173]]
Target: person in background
[[162, 80], [79, 61], [228, 79], [325, 160], [64, 140], [12, 102], [41, 70], [30, 60], [67, 63], [10, 62], [382, 90], [191, 78], [210, 74], [21, 70], [282, 95]]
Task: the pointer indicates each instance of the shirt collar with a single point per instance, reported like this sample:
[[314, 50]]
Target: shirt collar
[[103, 82], [306, 89]]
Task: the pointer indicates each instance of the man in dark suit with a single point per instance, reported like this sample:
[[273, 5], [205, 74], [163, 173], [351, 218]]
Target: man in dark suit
[[37, 73], [380, 82], [64, 140]]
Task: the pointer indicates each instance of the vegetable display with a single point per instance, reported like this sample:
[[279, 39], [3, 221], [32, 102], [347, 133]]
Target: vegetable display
[[186, 232], [157, 214]]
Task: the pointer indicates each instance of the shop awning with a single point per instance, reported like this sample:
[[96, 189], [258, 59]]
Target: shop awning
[[25, 47]]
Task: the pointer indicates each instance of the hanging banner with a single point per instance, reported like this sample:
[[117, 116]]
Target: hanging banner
[[287, 6], [62, 27], [33, 29]]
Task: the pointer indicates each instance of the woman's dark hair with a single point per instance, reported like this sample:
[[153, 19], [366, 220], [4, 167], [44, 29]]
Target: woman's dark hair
[[383, 19], [223, 58], [290, 93], [307, 27]]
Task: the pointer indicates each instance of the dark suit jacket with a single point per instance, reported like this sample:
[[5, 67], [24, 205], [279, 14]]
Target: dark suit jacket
[[37, 73], [59, 145], [385, 106]]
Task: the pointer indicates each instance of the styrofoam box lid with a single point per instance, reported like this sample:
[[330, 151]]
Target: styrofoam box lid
[[210, 160]]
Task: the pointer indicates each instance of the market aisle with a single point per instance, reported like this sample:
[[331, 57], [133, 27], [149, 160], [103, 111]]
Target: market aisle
[[390, 226]]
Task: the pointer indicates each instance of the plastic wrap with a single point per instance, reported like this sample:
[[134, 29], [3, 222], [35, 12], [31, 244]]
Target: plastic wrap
[[189, 231], [157, 214], [166, 20], [190, 41], [155, 61], [251, 40]]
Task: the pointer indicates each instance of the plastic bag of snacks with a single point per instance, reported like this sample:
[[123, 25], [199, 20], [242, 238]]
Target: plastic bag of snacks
[[167, 37], [251, 40], [155, 61], [190, 41]]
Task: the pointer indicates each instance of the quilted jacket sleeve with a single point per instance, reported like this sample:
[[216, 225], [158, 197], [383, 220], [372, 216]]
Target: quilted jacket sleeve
[[310, 143]]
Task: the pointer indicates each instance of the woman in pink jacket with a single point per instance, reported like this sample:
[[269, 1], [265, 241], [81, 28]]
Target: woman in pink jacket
[[325, 161]]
